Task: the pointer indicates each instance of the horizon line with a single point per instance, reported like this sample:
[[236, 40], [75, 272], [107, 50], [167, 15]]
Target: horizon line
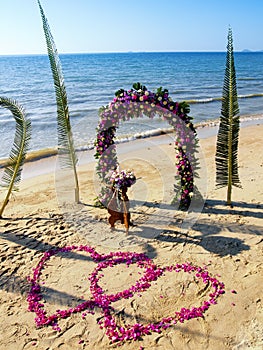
[[130, 51]]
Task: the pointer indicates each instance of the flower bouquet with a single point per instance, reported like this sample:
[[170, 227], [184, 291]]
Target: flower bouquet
[[122, 179]]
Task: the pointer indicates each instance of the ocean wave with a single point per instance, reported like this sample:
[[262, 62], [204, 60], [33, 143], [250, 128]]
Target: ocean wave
[[7, 121], [249, 79], [214, 99], [204, 100], [50, 152], [251, 95]]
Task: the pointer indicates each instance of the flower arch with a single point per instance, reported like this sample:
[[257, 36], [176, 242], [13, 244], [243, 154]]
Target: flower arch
[[135, 103]]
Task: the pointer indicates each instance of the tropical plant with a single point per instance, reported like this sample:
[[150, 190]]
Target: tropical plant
[[12, 173], [66, 151], [228, 133]]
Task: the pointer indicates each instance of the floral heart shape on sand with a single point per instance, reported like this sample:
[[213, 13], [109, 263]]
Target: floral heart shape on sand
[[133, 332], [35, 296], [104, 301]]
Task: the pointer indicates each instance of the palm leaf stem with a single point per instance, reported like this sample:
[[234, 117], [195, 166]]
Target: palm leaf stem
[[227, 138], [66, 149], [12, 173]]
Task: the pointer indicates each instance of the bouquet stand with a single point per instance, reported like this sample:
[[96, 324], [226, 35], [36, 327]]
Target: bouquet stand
[[118, 208]]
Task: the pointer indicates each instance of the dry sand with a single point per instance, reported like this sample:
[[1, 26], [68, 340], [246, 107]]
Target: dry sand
[[228, 240]]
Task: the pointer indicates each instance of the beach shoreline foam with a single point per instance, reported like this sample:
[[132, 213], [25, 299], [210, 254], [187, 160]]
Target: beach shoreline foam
[[45, 160], [204, 129]]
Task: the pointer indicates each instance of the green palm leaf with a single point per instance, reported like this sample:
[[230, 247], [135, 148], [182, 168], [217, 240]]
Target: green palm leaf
[[228, 133], [66, 150], [12, 173]]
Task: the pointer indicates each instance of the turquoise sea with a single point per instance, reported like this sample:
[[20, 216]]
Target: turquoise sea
[[92, 79]]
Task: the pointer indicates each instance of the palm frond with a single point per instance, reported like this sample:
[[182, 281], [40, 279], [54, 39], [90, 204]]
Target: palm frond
[[66, 151], [12, 173], [228, 133]]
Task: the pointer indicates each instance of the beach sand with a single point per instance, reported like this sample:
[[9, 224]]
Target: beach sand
[[227, 240]]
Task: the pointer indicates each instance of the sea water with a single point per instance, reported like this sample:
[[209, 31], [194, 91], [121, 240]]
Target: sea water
[[92, 79]]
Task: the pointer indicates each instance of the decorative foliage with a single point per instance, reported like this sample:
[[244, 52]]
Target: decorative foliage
[[104, 301], [227, 139], [66, 151], [136, 103], [12, 172]]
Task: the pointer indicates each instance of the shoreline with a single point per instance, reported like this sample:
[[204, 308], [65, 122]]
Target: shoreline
[[45, 161], [204, 130]]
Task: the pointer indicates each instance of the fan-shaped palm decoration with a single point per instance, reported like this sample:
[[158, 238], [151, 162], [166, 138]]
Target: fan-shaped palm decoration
[[227, 138], [66, 150], [12, 173]]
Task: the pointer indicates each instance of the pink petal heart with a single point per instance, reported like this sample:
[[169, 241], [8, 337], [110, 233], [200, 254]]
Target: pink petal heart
[[133, 332], [104, 301], [35, 296]]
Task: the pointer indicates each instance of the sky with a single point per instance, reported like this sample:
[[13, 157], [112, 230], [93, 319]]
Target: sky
[[87, 26]]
